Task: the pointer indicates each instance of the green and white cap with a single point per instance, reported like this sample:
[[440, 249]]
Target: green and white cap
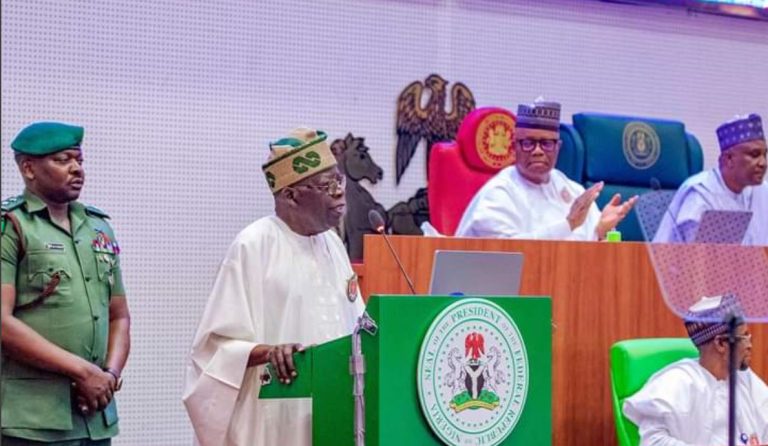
[[303, 153]]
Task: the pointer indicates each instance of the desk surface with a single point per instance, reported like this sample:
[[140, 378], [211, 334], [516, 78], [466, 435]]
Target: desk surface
[[601, 293]]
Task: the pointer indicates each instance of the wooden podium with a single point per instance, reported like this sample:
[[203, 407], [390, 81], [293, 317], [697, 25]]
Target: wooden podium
[[601, 293]]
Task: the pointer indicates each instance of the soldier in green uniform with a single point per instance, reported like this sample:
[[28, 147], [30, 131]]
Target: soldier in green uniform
[[65, 320]]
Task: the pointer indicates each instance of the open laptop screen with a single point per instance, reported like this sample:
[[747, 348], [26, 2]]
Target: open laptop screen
[[723, 227], [476, 273]]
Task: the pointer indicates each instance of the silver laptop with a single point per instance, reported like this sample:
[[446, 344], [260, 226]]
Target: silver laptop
[[723, 227], [476, 273]]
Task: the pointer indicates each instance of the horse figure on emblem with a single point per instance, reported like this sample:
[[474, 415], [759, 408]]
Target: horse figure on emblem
[[356, 164]]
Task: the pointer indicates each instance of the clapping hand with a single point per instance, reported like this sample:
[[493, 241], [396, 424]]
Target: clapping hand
[[613, 213], [582, 204]]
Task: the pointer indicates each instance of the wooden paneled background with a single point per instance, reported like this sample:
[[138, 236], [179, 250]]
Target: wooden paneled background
[[601, 293]]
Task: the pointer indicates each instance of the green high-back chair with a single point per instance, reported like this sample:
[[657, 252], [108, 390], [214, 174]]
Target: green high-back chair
[[634, 361], [632, 155]]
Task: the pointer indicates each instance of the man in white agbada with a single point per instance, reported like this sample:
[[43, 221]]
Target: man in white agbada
[[286, 282], [738, 184], [532, 199], [686, 403]]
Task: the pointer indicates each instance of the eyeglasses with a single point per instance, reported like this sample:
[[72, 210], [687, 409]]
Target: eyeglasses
[[333, 187], [745, 337], [529, 144]]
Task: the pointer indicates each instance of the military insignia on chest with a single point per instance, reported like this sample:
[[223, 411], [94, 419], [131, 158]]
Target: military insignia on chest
[[106, 250], [103, 243]]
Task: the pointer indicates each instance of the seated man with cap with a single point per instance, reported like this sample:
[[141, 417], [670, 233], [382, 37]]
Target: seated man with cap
[[65, 317], [285, 282], [532, 199], [686, 403], [738, 183]]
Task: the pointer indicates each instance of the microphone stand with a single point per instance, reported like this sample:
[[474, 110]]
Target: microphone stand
[[397, 259], [733, 321]]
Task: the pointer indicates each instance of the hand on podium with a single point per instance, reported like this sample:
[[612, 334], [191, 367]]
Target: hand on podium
[[281, 358]]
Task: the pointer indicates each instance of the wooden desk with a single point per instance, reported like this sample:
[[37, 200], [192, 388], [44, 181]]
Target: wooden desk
[[601, 293]]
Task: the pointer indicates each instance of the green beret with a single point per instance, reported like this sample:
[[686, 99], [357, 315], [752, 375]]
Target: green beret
[[44, 138]]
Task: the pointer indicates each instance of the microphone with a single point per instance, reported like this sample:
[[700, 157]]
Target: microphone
[[655, 184], [377, 224]]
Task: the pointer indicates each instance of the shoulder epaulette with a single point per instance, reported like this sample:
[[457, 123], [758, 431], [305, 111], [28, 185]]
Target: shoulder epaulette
[[8, 205], [96, 211], [12, 203]]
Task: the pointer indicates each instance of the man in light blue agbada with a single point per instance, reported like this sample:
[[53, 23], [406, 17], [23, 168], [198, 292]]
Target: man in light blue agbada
[[738, 183]]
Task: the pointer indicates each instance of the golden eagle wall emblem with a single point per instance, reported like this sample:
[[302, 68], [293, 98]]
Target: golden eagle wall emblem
[[430, 122]]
